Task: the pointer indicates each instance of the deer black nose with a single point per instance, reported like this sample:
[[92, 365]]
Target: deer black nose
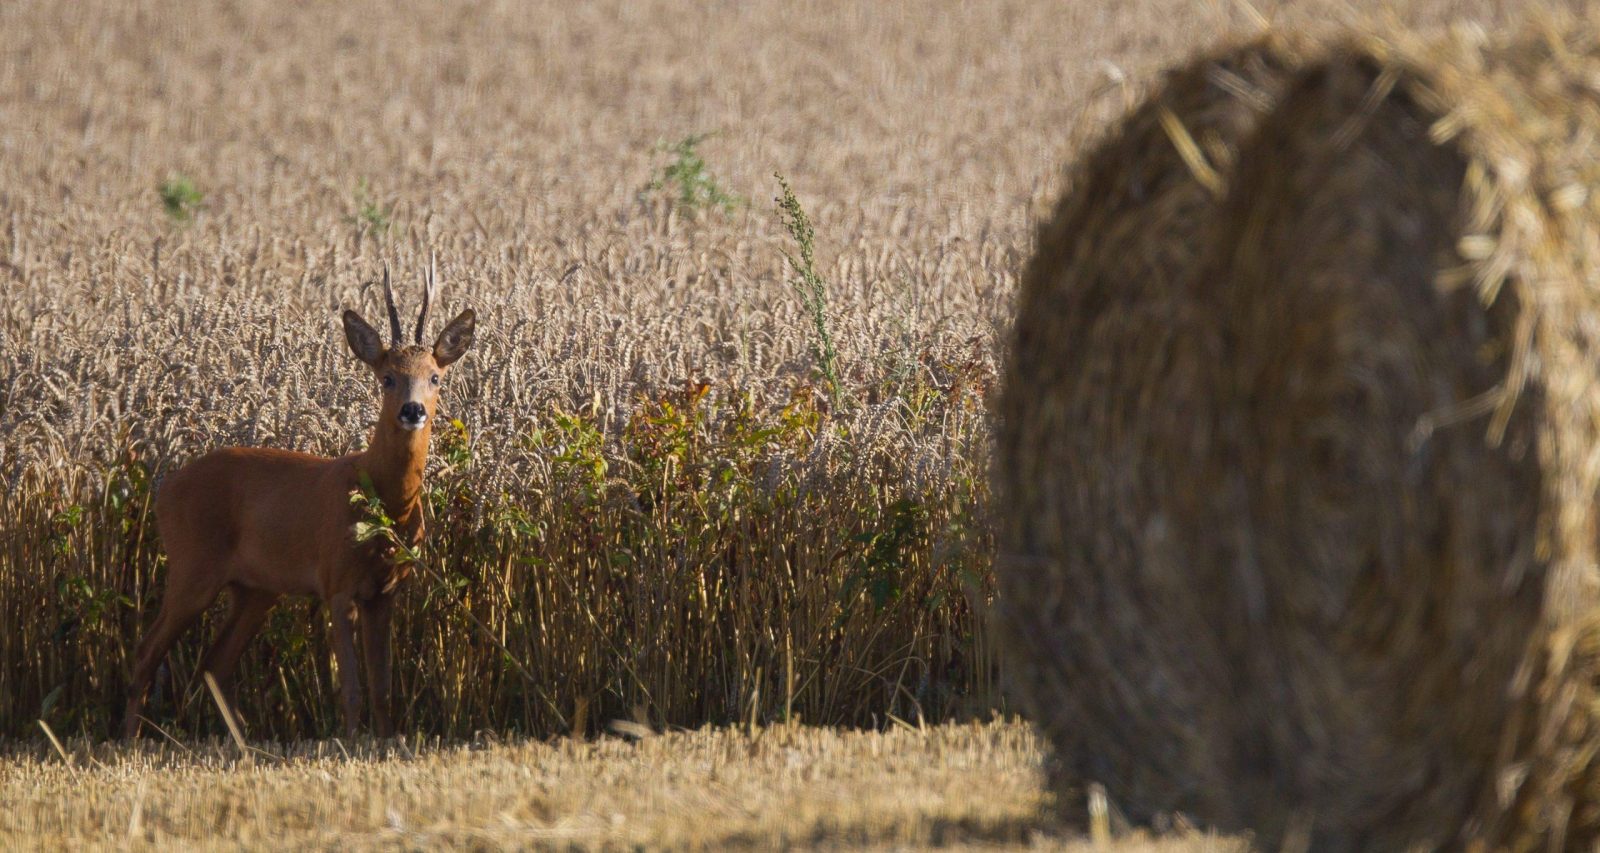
[[413, 414]]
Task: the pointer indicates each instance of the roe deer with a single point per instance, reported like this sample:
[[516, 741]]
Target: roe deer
[[265, 523]]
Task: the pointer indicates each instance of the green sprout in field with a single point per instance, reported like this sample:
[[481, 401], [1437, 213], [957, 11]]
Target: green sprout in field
[[180, 198], [811, 289], [369, 211], [687, 179]]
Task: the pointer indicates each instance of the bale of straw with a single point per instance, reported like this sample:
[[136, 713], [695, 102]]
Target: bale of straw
[[1089, 464], [1298, 448]]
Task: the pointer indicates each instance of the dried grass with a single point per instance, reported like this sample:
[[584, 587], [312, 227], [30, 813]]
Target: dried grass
[[709, 789]]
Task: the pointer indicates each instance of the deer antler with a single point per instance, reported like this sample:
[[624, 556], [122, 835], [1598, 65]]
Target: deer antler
[[394, 316], [427, 295]]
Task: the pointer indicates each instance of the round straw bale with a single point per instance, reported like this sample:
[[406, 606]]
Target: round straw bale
[[1091, 465], [1298, 449]]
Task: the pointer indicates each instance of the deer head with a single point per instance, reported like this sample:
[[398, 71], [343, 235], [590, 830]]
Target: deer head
[[408, 376]]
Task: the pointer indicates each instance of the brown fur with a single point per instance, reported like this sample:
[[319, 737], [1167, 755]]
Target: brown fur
[[265, 523]]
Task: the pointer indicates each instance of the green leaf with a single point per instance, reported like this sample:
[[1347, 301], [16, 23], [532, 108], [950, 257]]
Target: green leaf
[[50, 700]]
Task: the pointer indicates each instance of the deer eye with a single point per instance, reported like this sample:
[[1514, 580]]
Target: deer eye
[[388, 381], [436, 379]]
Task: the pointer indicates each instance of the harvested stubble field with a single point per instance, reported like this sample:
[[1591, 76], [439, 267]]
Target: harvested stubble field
[[660, 502], [713, 788], [784, 786]]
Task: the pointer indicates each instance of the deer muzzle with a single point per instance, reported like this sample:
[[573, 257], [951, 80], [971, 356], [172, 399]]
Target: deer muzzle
[[413, 416]]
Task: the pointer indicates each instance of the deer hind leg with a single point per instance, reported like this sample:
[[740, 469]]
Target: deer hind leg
[[178, 612], [247, 611], [375, 619], [343, 611]]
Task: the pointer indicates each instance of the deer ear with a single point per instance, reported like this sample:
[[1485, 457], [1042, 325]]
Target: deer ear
[[454, 340], [364, 340]]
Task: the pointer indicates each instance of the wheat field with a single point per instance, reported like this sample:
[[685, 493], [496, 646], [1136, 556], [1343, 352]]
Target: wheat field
[[679, 491]]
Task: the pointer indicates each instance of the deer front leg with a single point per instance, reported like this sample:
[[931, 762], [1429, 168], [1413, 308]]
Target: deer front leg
[[343, 610], [375, 620]]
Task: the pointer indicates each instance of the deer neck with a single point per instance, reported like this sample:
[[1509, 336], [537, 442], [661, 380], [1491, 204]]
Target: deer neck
[[394, 460]]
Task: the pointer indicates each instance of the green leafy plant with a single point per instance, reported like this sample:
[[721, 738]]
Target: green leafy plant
[[375, 525], [688, 181], [577, 450], [62, 524], [180, 198], [370, 213], [455, 445], [88, 604], [881, 567], [808, 285]]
